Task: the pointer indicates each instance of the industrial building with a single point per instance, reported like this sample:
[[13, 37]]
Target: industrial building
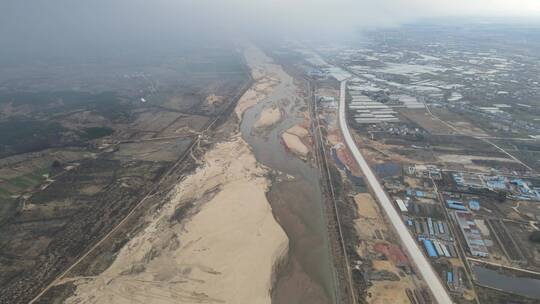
[[327, 102], [435, 248], [401, 205], [495, 182], [468, 180], [428, 245], [524, 190], [474, 205], [420, 194], [471, 233], [455, 205], [425, 171], [517, 188]]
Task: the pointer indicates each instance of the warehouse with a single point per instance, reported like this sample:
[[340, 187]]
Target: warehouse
[[471, 233], [455, 205], [401, 205], [428, 245]]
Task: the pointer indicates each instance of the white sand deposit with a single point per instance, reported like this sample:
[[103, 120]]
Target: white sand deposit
[[268, 118], [298, 131], [295, 145], [292, 138], [265, 75]]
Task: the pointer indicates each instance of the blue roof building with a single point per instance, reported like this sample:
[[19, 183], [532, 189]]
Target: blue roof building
[[430, 226], [455, 205], [474, 205], [430, 249], [496, 182]]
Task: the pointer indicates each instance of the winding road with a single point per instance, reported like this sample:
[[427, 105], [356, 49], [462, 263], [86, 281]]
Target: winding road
[[413, 250]]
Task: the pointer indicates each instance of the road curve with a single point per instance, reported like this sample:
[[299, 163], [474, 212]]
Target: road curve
[[413, 250]]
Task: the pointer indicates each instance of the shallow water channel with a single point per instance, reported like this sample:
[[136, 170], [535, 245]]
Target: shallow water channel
[[308, 275]]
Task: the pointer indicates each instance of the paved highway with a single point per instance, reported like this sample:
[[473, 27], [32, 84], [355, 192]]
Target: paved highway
[[413, 250]]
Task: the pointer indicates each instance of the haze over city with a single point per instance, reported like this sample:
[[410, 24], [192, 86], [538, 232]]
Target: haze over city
[[61, 26]]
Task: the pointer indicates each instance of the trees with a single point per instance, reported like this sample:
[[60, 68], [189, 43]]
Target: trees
[[56, 164], [535, 237]]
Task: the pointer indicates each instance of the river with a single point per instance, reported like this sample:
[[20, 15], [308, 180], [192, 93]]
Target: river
[[308, 274]]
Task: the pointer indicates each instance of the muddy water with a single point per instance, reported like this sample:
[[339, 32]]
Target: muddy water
[[297, 204]]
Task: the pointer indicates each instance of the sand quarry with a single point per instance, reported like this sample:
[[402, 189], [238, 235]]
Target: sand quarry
[[223, 249]]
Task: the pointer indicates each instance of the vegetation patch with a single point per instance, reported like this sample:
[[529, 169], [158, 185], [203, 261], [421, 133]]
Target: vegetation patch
[[96, 132], [21, 135]]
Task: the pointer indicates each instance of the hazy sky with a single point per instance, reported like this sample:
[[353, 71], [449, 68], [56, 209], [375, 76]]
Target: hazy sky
[[34, 26]]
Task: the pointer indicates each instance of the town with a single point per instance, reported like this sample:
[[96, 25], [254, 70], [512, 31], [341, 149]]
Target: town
[[452, 135]]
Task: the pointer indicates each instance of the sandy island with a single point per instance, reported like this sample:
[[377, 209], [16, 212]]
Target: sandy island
[[223, 249], [265, 74], [292, 138], [268, 118]]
